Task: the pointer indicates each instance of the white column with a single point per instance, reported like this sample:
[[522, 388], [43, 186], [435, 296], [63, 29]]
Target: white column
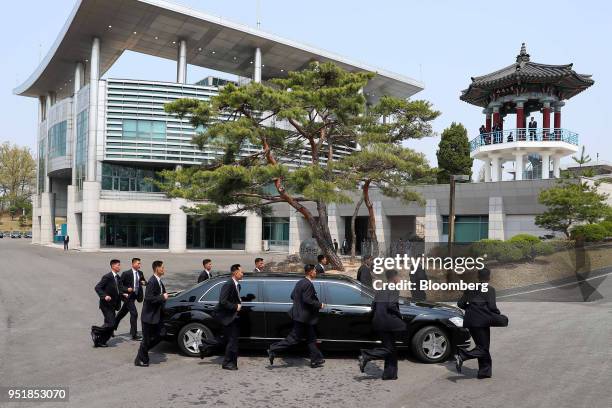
[[257, 66], [518, 166], [42, 104], [181, 62], [71, 220], [433, 221], [495, 174], [299, 230], [178, 226], [90, 220], [47, 222], [94, 76], [487, 170], [545, 165], [383, 228], [253, 232], [556, 166], [336, 223], [497, 218], [35, 222]]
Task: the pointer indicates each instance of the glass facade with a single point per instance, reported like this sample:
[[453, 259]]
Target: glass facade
[[125, 178], [468, 228], [41, 165], [225, 233], [276, 230], [134, 230], [81, 148], [57, 139], [144, 129]]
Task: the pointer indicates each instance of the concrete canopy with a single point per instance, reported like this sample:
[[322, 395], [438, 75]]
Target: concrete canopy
[[154, 27]]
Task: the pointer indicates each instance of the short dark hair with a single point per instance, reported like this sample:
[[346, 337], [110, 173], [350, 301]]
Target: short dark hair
[[368, 257], [484, 274], [390, 273], [204, 262], [234, 268], [320, 258], [156, 264], [135, 260], [258, 260], [114, 262], [308, 268]]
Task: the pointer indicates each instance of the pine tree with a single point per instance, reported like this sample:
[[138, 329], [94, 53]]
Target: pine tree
[[454, 153]]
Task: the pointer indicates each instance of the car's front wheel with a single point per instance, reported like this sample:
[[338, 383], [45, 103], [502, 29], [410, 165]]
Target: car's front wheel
[[190, 337], [431, 345]]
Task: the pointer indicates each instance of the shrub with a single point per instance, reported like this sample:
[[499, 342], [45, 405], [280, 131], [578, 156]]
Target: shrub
[[525, 238], [589, 232], [607, 226], [526, 243], [510, 253], [490, 247], [544, 248]]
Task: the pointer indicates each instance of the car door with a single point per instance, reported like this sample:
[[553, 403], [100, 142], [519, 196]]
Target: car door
[[347, 313], [277, 298]]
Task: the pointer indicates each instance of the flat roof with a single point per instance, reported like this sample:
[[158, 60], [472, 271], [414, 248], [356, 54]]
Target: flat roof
[[153, 27]]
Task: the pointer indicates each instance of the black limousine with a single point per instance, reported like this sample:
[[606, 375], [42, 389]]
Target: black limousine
[[433, 330]]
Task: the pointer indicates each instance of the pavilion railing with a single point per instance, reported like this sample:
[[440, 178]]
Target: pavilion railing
[[524, 135]]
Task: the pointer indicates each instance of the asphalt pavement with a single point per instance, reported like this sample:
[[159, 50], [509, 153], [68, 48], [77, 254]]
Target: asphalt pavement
[[553, 354]]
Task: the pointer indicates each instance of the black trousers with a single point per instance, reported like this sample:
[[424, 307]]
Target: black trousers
[[65, 246], [482, 338], [386, 352], [104, 332], [128, 306], [300, 332], [150, 338], [228, 342]]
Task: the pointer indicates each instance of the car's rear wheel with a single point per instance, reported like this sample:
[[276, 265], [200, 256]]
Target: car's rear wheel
[[431, 345], [190, 337]]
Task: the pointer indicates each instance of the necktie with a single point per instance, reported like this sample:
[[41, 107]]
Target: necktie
[[163, 288], [117, 282], [136, 282], [238, 288]]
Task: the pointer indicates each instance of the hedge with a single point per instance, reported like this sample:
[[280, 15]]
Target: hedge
[[589, 232]]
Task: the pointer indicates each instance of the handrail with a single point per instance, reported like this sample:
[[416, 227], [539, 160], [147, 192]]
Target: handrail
[[524, 135]]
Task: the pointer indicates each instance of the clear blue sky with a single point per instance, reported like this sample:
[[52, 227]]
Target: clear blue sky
[[442, 43]]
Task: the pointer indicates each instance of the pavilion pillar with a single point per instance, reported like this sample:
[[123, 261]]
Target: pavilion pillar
[[545, 165], [495, 173], [487, 170], [545, 120], [518, 166], [557, 120], [257, 67], [181, 62], [488, 122]]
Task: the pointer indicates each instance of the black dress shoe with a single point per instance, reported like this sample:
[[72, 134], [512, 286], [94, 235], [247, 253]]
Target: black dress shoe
[[458, 363], [317, 364], [480, 377], [139, 363], [137, 337], [389, 378], [100, 345], [232, 367], [362, 363], [271, 356]]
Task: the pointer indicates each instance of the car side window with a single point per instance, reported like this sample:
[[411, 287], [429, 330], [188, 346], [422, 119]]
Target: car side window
[[212, 295], [339, 294], [249, 291], [278, 291]]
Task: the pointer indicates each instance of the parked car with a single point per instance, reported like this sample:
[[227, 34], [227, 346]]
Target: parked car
[[28, 234], [15, 234], [433, 330], [1, 234]]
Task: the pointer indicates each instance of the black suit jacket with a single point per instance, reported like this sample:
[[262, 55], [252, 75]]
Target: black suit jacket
[[204, 276], [107, 287], [364, 276], [153, 302], [229, 299], [386, 314], [319, 268], [478, 307], [306, 304], [127, 279]]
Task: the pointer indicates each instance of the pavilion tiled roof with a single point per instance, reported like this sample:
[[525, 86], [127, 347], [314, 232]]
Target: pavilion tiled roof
[[524, 72]]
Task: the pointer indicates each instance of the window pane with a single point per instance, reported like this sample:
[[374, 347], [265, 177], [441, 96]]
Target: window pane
[[129, 125], [248, 291], [213, 294], [278, 291], [347, 295]]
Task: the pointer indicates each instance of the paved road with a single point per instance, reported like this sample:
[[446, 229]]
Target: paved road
[[553, 354]]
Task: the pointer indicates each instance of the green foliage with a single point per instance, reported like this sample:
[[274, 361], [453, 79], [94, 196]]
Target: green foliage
[[544, 248], [589, 232], [583, 158], [532, 239], [454, 153], [518, 248], [569, 203], [607, 224], [511, 253], [17, 177], [488, 247], [525, 243]]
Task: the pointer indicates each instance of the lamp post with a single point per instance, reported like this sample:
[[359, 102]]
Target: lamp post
[[451, 209]]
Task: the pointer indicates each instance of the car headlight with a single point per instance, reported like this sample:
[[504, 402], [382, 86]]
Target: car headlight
[[457, 321]]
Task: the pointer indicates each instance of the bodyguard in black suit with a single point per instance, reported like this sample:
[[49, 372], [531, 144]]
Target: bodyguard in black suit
[[321, 262], [305, 315], [227, 313], [154, 299], [479, 307], [387, 321], [109, 290], [364, 273], [134, 281], [206, 272]]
